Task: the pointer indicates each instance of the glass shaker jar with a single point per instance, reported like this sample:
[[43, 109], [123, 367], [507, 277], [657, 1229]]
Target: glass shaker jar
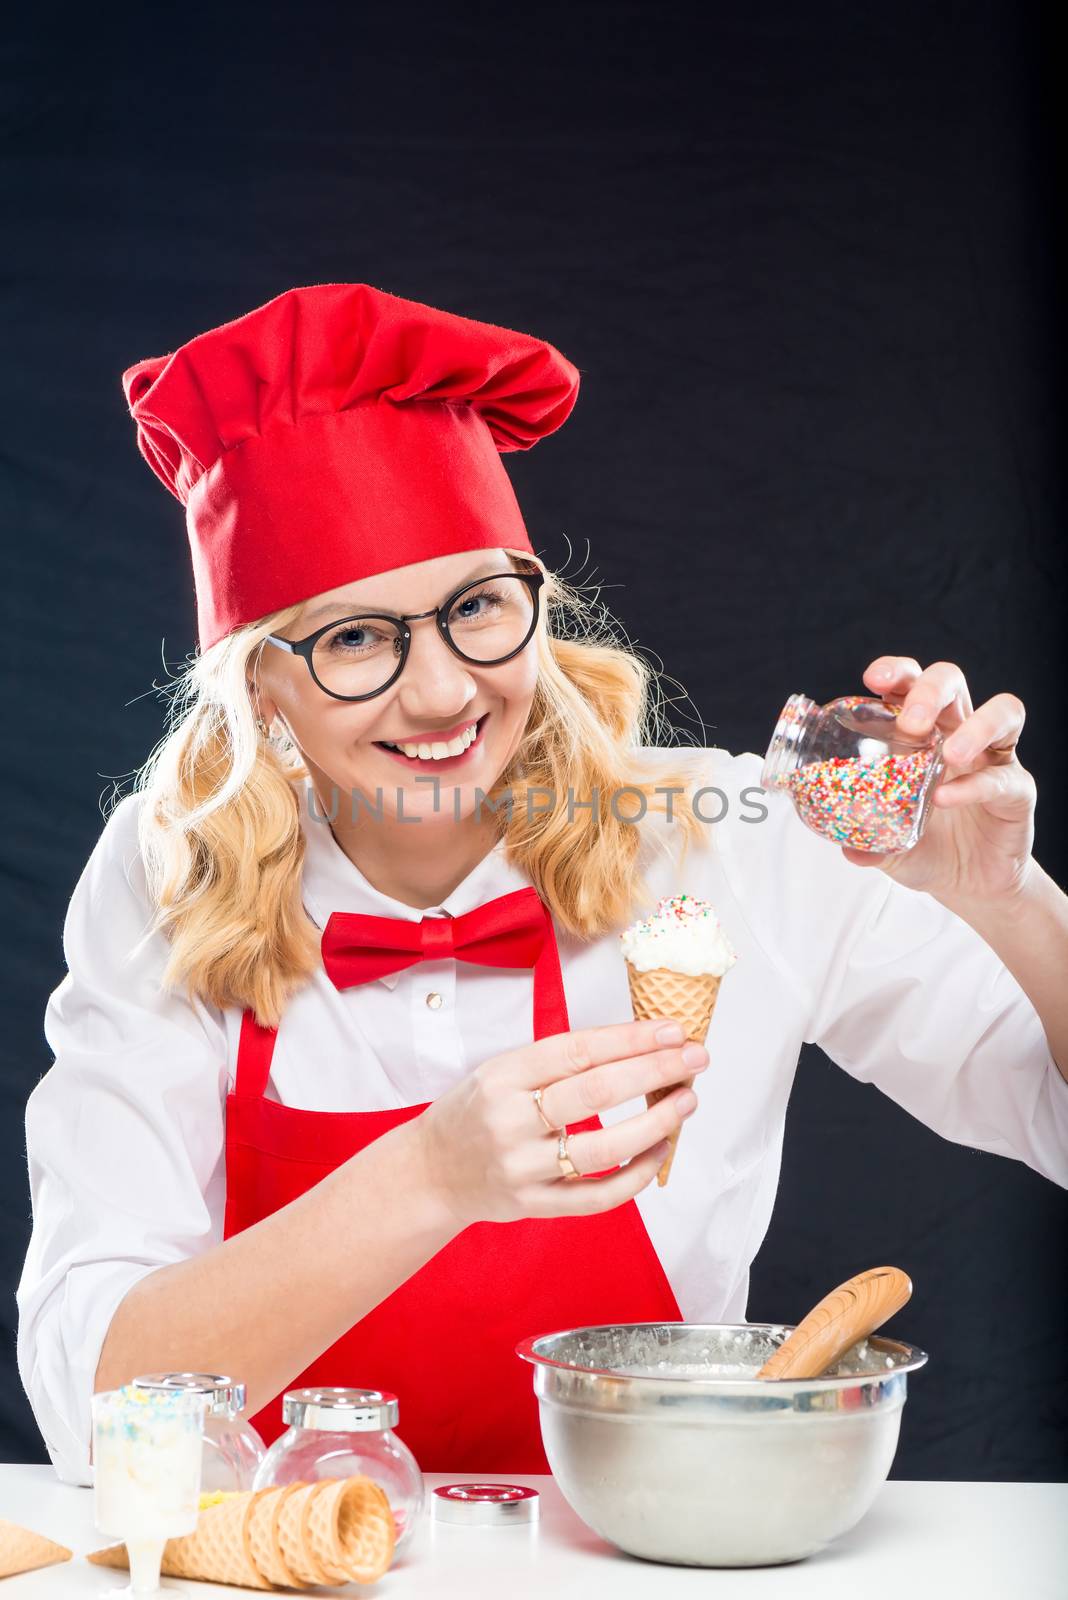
[[233, 1449], [853, 774], [336, 1433]]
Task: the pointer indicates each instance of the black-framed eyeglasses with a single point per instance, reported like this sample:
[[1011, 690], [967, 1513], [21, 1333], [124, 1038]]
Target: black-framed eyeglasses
[[486, 623]]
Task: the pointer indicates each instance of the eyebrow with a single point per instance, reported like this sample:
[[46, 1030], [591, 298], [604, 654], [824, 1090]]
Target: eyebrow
[[338, 606]]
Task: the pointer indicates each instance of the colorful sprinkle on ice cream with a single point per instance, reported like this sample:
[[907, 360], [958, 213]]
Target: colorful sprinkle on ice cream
[[683, 935]]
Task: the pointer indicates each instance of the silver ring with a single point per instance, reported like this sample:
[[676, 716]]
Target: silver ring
[[567, 1166]]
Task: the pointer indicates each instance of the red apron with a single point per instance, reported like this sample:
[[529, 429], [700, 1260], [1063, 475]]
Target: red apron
[[444, 1341]]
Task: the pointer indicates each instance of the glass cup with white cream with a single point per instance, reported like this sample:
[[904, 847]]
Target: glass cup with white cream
[[147, 1456]]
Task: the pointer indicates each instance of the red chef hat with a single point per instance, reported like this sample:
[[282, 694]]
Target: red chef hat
[[336, 432]]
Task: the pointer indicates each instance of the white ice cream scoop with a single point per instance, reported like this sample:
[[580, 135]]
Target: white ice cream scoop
[[682, 935]]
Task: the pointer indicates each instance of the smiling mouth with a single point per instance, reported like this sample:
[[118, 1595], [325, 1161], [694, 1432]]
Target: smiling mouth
[[436, 749]]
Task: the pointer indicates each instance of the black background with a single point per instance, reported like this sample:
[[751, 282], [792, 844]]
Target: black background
[[805, 258]]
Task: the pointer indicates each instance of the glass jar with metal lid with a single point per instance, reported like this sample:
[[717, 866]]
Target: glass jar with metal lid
[[336, 1433], [854, 775], [233, 1449]]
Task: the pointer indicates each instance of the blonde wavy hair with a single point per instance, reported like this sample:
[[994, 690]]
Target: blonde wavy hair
[[220, 830]]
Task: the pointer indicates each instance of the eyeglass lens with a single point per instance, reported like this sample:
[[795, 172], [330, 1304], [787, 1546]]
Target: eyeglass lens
[[486, 622]]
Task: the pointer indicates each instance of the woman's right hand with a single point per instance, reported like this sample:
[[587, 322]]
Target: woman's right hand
[[488, 1156]]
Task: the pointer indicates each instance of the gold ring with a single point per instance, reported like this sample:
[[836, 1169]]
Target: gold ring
[[537, 1093], [567, 1166]]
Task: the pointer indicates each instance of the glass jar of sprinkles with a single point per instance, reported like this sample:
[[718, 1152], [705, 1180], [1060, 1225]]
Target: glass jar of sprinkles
[[853, 774]]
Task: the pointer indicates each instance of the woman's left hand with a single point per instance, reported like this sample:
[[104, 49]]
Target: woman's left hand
[[980, 830]]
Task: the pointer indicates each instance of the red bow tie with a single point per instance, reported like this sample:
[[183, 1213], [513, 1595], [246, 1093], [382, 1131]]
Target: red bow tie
[[515, 930]]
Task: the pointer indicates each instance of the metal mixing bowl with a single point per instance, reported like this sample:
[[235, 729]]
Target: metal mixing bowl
[[664, 1442]]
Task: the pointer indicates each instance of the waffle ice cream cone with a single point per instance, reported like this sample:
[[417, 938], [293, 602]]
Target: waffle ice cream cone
[[351, 1528], [691, 1001], [335, 1531], [22, 1550], [675, 963], [264, 1540], [300, 1556]]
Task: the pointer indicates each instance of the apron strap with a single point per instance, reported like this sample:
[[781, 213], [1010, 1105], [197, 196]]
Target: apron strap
[[254, 1051], [550, 1003]]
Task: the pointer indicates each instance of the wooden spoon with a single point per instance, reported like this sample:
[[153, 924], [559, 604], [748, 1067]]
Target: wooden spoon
[[848, 1313]]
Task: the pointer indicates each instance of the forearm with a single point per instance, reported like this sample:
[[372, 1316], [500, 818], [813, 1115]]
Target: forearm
[[1030, 935], [265, 1303]]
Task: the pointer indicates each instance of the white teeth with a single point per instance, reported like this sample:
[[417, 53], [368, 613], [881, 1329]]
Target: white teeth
[[439, 749]]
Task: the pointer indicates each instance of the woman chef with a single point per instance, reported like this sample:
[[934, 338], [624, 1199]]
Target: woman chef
[[323, 958]]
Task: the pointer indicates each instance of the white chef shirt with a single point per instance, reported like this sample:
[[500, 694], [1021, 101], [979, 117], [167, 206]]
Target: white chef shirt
[[125, 1132]]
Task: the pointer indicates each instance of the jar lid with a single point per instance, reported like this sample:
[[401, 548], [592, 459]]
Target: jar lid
[[226, 1397], [340, 1410], [783, 754], [493, 1504]]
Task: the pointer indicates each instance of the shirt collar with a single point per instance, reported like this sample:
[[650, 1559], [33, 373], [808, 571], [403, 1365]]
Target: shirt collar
[[331, 882]]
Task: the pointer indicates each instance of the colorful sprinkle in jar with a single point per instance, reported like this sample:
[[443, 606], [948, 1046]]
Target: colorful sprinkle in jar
[[853, 774]]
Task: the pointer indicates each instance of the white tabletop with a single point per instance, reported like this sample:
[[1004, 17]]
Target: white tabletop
[[926, 1541]]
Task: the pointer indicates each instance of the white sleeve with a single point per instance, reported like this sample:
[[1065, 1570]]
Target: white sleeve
[[902, 993], [125, 1139]]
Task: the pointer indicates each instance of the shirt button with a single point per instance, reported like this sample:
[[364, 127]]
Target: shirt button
[[434, 1000]]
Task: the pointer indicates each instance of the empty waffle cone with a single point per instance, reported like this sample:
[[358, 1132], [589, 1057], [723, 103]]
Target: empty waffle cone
[[22, 1550], [264, 1542], [296, 1547], [350, 1526], [687, 999]]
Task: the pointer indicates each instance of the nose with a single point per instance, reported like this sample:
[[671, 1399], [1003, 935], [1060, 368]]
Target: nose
[[435, 685]]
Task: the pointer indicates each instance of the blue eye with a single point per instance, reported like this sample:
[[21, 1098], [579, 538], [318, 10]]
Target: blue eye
[[354, 639], [477, 607]]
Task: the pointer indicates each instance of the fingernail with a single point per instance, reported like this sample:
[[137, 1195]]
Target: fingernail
[[887, 672], [958, 751], [670, 1033], [694, 1055], [915, 715], [686, 1102]]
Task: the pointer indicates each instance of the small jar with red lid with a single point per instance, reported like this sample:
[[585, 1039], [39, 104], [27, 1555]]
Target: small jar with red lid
[[854, 775]]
